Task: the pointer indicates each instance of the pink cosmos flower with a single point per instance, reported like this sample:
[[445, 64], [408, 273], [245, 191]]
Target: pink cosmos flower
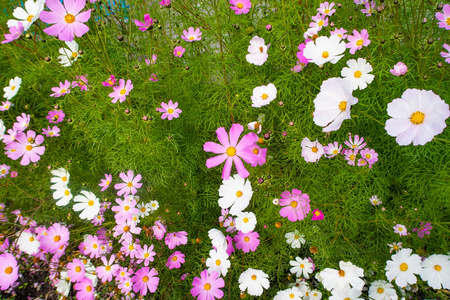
[[55, 237], [296, 205], [159, 230], [5, 105], [175, 239], [175, 260], [125, 210], [110, 82], [14, 174], [319, 21], [82, 82], [9, 270], [311, 151], [61, 90], [131, 248], [51, 132], [357, 40], [247, 241], [146, 255], [258, 153], [23, 122], [153, 77], [369, 8], [192, 35], [424, 228], [14, 33], [169, 110], [121, 92], [301, 58], [178, 51], [332, 149], [399, 69], [145, 279], [165, 3], [4, 170], [105, 273], [130, 184], [231, 151], [370, 155], [148, 23], [400, 229], [446, 55], [208, 286], [104, 183], [317, 215], [56, 116], [356, 143], [350, 156], [326, 8], [230, 248], [341, 33], [240, 6], [75, 270], [84, 288], [125, 285], [444, 17], [67, 18], [27, 147], [98, 220]]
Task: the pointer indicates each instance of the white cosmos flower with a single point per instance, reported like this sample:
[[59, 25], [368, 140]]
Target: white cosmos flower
[[28, 243], [255, 281], [417, 117], [68, 56], [436, 271], [60, 178], [315, 295], [144, 209], [382, 290], [291, 293], [64, 284], [28, 15], [63, 195], [332, 104], [218, 239], [358, 73], [312, 151], [346, 294], [218, 262], [341, 279], [257, 51], [235, 194], [402, 267], [88, 204], [295, 239], [2, 129], [245, 222], [263, 95], [154, 205], [325, 49], [13, 87], [301, 267]]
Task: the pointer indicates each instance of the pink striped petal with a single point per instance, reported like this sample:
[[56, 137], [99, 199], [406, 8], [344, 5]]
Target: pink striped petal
[[235, 132], [227, 168], [216, 160], [241, 170], [214, 148], [222, 136]]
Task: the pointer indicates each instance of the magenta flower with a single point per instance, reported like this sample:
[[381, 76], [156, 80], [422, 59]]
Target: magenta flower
[[178, 51], [105, 272], [9, 270], [192, 35], [67, 19], [56, 236], [446, 55], [55, 116], [14, 174], [159, 230], [169, 110], [130, 184], [370, 155], [153, 77], [121, 92], [240, 6], [14, 33], [175, 239], [146, 255], [399, 69], [317, 215], [175, 260], [424, 228], [61, 90], [23, 121], [145, 279], [231, 151], [208, 286], [82, 82], [369, 8], [165, 3], [110, 82], [230, 248], [326, 8], [247, 241], [27, 147], [84, 288], [444, 17], [125, 210], [104, 183], [51, 132], [296, 205], [357, 40], [148, 23], [75, 270]]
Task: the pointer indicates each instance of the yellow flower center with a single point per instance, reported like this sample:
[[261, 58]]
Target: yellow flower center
[[29, 147], [255, 151], [335, 151], [253, 277], [91, 202], [320, 23], [174, 258], [232, 224], [359, 42], [95, 246], [142, 209], [403, 267], [314, 149], [437, 268], [108, 268], [146, 255], [400, 229], [317, 213], [218, 262], [352, 157], [291, 296], [380, 290], [417, 118], [302, 266], [294, 204], [64, 178], [51, 133], [123, 91], [13, 88], [178, 53], [325, 54], [31, 239], [246, 239], [191, 38], [78, 269], [170, 111], [8, 270], [30, 18], [343, 105], [395, 247], [327, 11], [69, 18], [131, 247], [88, 289], [448, 21], [341, 273], [126, 208], [245, 220], [145, 279], [108, 182], [126, 228], [231, 151], [264, 96], [240, 5], [357, 74], [74, 55], [3, 171], [66, 192], [62, 91], [57, 238], [296, 237], [261, 49]]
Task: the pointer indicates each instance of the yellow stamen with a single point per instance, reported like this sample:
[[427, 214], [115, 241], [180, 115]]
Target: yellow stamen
[[359, 42], [403, 267], [231, 151], [91, 202], [69, 18], [207, 287], [417, 118], [325, 54], [357, 74], [343, 105], [264, 96]]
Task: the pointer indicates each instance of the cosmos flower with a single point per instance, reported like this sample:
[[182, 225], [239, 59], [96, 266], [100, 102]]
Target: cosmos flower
[[104, 183], [326, 8], [51, 132], [148, 23], [295, 239], [169, 110], [9, 270], [296, 205], [192, 35], [324, 49], [357, 40], [399, 69], [28, 15], [240, 6], [301, 267], [444, 17], [348, 274], [257, 51], [218, 262], [88, 204], [358, 73], [311, 151], [400, 229], [130, 183], [14, 33], [67, 18], [254, 281], [55, 116], [208, 286], [69, 55], [263, 95], [247, 241], [61, 90], [27, 147], [121, 91], [175, 260], [382, 290], [235, 193], [446, 55], [13, 87], [436, 271], [178, 51], [402, 267]]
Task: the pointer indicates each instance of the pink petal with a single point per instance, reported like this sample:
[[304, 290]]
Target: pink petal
[[74, 6], [235, 132], [56, 6], [242, 171], [66, 33], [50, 17], [79, 29], [215, 161], [222, 136], [214, 148], [227, 169], [55, 30], [84, 16]]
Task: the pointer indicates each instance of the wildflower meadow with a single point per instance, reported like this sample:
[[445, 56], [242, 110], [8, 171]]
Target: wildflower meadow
[[224, 149]]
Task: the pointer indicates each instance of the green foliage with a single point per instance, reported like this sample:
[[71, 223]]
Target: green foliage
[[212, 84]]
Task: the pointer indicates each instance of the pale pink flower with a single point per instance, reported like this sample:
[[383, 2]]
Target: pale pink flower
[[296, 205], [130, 185], [169, 110], [176, 238], [64, 88], [122, 91], [14, 33], [399, 69], [357, 40], [192, 35], [240, 6], [178, 51], [444, 17], [446, 55], [27, 147]]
